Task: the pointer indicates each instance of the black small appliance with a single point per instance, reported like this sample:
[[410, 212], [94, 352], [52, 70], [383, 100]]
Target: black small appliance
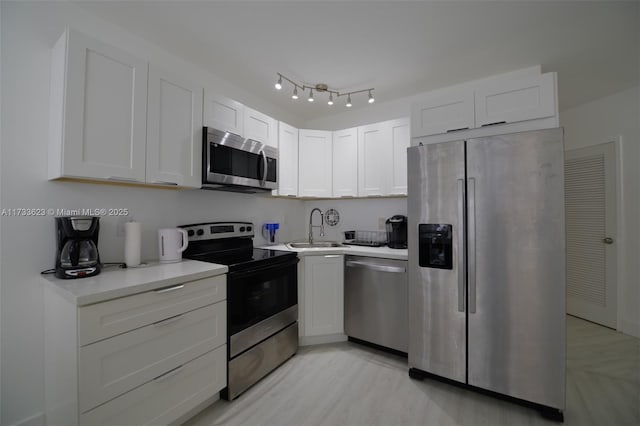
[[77, 246], [397, 232]]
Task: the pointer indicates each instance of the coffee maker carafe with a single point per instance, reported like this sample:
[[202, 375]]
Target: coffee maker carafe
[[397, 232], [77, 246]]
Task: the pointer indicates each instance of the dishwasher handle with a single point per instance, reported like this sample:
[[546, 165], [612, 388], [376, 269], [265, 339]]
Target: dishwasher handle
[[376, 267]]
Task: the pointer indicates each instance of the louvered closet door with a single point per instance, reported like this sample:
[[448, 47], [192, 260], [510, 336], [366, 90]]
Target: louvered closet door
[[590, 195]]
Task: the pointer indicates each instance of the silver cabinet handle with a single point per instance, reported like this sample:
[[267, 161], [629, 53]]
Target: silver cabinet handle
[[328, 256], [607, 240], [123, 179], [376, 267], [471, 240], [168, 374], [159, 182], [168, 289], [462, 268], [168, 320]]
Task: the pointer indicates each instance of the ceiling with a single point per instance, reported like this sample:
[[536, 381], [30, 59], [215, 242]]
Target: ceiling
[[400, 48]]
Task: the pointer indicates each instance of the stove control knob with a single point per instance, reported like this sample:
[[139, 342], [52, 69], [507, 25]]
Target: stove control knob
[[242, 229], [200, 232], [190, 232], [248, 228]]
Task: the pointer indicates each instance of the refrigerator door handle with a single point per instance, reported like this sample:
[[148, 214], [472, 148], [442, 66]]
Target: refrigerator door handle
[[471, 239], [462, 269]]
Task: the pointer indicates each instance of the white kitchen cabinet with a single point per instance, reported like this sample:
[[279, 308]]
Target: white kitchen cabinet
[[323, 295], [345, 163], [174, 130], [500, 102], [288, 160], [443, 111], [315, 163], [149, 357], [382, 156], [98, 111], [260, 127], [223, 113]]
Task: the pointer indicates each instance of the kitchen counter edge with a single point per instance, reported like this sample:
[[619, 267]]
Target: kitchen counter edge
[[381, 252], [113, 283]]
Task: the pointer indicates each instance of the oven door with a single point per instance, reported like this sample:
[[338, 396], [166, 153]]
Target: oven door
[[261, 302], [233, 160]]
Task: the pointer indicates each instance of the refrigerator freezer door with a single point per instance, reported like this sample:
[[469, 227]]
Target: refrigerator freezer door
[[437, 335], [517, 332]]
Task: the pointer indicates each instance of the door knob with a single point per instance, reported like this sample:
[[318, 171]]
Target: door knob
[[607, 240]]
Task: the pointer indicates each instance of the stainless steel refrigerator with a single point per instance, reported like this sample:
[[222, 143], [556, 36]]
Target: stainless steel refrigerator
[[486, 244]]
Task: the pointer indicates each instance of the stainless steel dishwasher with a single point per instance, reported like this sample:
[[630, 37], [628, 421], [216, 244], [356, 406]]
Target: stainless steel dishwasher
[[376, 301]]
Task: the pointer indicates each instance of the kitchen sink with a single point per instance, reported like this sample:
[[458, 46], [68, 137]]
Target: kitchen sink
[[317, 244]]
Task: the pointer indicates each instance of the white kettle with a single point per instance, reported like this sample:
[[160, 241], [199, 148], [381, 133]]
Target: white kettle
[[171, 243]]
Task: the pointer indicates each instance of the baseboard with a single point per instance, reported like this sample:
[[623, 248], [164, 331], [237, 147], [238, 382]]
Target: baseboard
[[35, 420], [319, 340], [630, 328]]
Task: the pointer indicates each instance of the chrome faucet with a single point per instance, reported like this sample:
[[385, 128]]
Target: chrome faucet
[[311, 225]]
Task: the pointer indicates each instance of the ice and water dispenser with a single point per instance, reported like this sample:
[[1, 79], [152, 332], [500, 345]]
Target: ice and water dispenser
[[435, 245]]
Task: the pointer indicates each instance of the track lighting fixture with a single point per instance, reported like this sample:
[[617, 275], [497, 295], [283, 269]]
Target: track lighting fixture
[[322, 88]]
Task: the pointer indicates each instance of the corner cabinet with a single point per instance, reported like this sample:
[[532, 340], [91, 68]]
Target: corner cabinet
[[382, 156], [174, 130], [323, 294], [345, 163], [153, 357], [288, 160], [315, 163], [98, 111]]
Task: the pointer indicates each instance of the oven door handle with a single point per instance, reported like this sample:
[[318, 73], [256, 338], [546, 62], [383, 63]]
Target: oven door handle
[[279, 265]]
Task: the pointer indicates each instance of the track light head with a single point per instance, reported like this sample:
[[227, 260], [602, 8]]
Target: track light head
[[295, 93], [349, 101], [279, 83], [330, 102], [310, 95], [371, 98]]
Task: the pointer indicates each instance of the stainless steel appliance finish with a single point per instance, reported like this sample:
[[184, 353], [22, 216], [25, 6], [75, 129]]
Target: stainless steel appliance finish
[[248, 337], [376, 301], [260, 360], [252, 180], [502, 199]]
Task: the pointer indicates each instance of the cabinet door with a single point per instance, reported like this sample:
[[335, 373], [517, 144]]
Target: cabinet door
[[374, 155], [260, 127], [400, 140], [515, 100], [314, 163], [345, 163], [288, 160], [324, 295], [223, 113], [443, 111], [174, 130], [105, 112]]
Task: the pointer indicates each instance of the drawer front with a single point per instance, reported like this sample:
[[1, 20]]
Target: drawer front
[[165, 398], [103, 320], [114, 366]]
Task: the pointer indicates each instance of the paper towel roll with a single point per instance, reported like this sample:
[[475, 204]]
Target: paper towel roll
[[132, 243]]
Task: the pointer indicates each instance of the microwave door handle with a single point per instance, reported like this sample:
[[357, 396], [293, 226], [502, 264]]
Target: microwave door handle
[[263, 181]]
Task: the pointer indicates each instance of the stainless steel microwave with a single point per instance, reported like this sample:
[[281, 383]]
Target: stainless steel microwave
[[233, 163]]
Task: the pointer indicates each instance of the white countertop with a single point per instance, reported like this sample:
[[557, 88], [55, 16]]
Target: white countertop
[[383, 252], [113, 282]]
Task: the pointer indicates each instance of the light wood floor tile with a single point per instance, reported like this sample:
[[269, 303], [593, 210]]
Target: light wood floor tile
[[347, 384]]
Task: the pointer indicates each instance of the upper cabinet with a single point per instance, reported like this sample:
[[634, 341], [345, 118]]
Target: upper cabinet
[[223, 113], [288, 160], [345, 163], [443, 111], [174, 130], [382, 157], [98, 111], [260, 127], [315, 163]]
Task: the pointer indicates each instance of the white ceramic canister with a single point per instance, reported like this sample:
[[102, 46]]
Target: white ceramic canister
[[171, 243]]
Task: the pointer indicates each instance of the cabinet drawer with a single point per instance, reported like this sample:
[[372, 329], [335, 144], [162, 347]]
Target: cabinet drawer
[[102, 320], [113, 366], [165, 398]]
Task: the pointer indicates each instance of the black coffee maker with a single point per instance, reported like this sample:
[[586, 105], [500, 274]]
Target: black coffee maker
[[397, 232], [77, 246]]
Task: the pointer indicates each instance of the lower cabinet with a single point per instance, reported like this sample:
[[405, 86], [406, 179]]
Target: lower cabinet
[[167, 358], [322, 295]]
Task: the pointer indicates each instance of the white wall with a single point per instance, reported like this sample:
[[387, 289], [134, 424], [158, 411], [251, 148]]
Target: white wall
[[605, 120], [27, 244]]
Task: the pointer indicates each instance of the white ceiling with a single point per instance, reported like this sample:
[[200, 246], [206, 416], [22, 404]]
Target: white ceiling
[[398, 47]]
